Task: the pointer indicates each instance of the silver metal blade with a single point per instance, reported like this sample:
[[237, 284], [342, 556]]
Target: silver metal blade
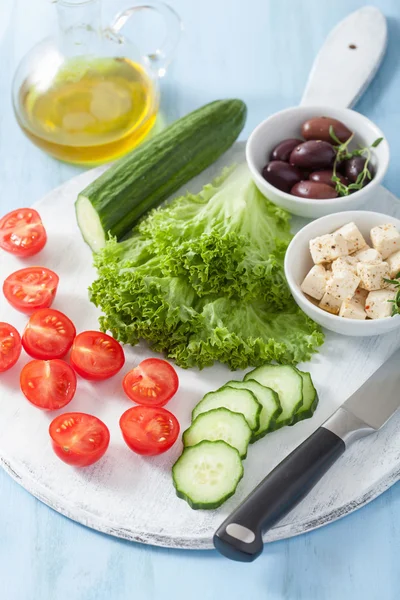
[[379, 397]]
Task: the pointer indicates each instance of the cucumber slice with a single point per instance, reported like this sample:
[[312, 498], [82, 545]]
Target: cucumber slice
[[238, 401], [269, 400], [287, 383], [219, 424], [310, 399], [207, 474]]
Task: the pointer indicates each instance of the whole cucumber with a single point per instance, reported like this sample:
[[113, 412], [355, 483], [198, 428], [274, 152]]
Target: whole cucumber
[[149, 174]]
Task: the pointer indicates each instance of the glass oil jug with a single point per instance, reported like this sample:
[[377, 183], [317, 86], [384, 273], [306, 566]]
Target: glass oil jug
[[88, 96]]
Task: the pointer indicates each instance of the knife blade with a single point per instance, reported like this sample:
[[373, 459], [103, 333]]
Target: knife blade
[[379, 397], [364, 412]]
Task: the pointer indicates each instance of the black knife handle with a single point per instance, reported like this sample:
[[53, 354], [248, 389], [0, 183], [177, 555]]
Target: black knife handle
[[240, 535]]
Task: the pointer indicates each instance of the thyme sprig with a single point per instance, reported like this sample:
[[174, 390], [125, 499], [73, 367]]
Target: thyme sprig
[[343, 153], [396, 300]]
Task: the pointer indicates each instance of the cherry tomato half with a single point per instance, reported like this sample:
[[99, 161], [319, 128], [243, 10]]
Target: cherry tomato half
[[32, 288], [79, 439], [48, 334], [149, 430], [22, 232], [152, 383], [48, 384], [10, 346], [96, 355]]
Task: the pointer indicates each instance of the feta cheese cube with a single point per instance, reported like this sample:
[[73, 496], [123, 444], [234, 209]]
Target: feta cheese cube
[[314, 283], [326, 248], [368, 255], [360, 296], [345, 263], [385, 239], [330, 303], [353, 237], [394, 264], [351, 309], [378, 306], [342, 285], [372, 275]]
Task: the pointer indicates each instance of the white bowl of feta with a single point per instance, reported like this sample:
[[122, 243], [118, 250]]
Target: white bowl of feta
[[336, 268]]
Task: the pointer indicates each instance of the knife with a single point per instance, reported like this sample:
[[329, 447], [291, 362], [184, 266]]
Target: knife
[[365, 412]]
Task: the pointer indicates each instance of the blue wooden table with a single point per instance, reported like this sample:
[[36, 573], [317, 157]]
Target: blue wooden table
[[261, 51]]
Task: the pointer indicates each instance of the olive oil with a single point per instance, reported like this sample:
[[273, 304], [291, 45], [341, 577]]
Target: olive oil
[[92, 112]]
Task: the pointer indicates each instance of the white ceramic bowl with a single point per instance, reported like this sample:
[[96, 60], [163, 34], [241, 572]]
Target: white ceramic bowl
[[298, 262], [287, 124]]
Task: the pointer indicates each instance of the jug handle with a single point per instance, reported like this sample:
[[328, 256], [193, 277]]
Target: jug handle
[[162, 56]]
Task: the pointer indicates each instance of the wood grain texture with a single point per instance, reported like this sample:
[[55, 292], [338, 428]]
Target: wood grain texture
[[261, 51]]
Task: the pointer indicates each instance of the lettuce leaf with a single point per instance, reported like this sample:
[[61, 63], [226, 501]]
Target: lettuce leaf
[[242, 334], [226, 240], [202, 281]]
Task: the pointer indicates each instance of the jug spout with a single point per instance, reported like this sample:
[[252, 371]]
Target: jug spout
[[80, 28]]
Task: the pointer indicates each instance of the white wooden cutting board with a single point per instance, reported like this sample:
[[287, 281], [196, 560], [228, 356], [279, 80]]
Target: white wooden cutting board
[[133, 497]]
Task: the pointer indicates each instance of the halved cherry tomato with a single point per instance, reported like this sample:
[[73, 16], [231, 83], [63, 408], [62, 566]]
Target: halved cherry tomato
[[22, 232], [79, 439], [10, 346], [48, 334], [48, 384], [149, 430], [32, 288], [96, 355], [152, 383]]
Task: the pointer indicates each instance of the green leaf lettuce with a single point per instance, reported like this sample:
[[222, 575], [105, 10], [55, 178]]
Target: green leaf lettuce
[[202, 281]]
